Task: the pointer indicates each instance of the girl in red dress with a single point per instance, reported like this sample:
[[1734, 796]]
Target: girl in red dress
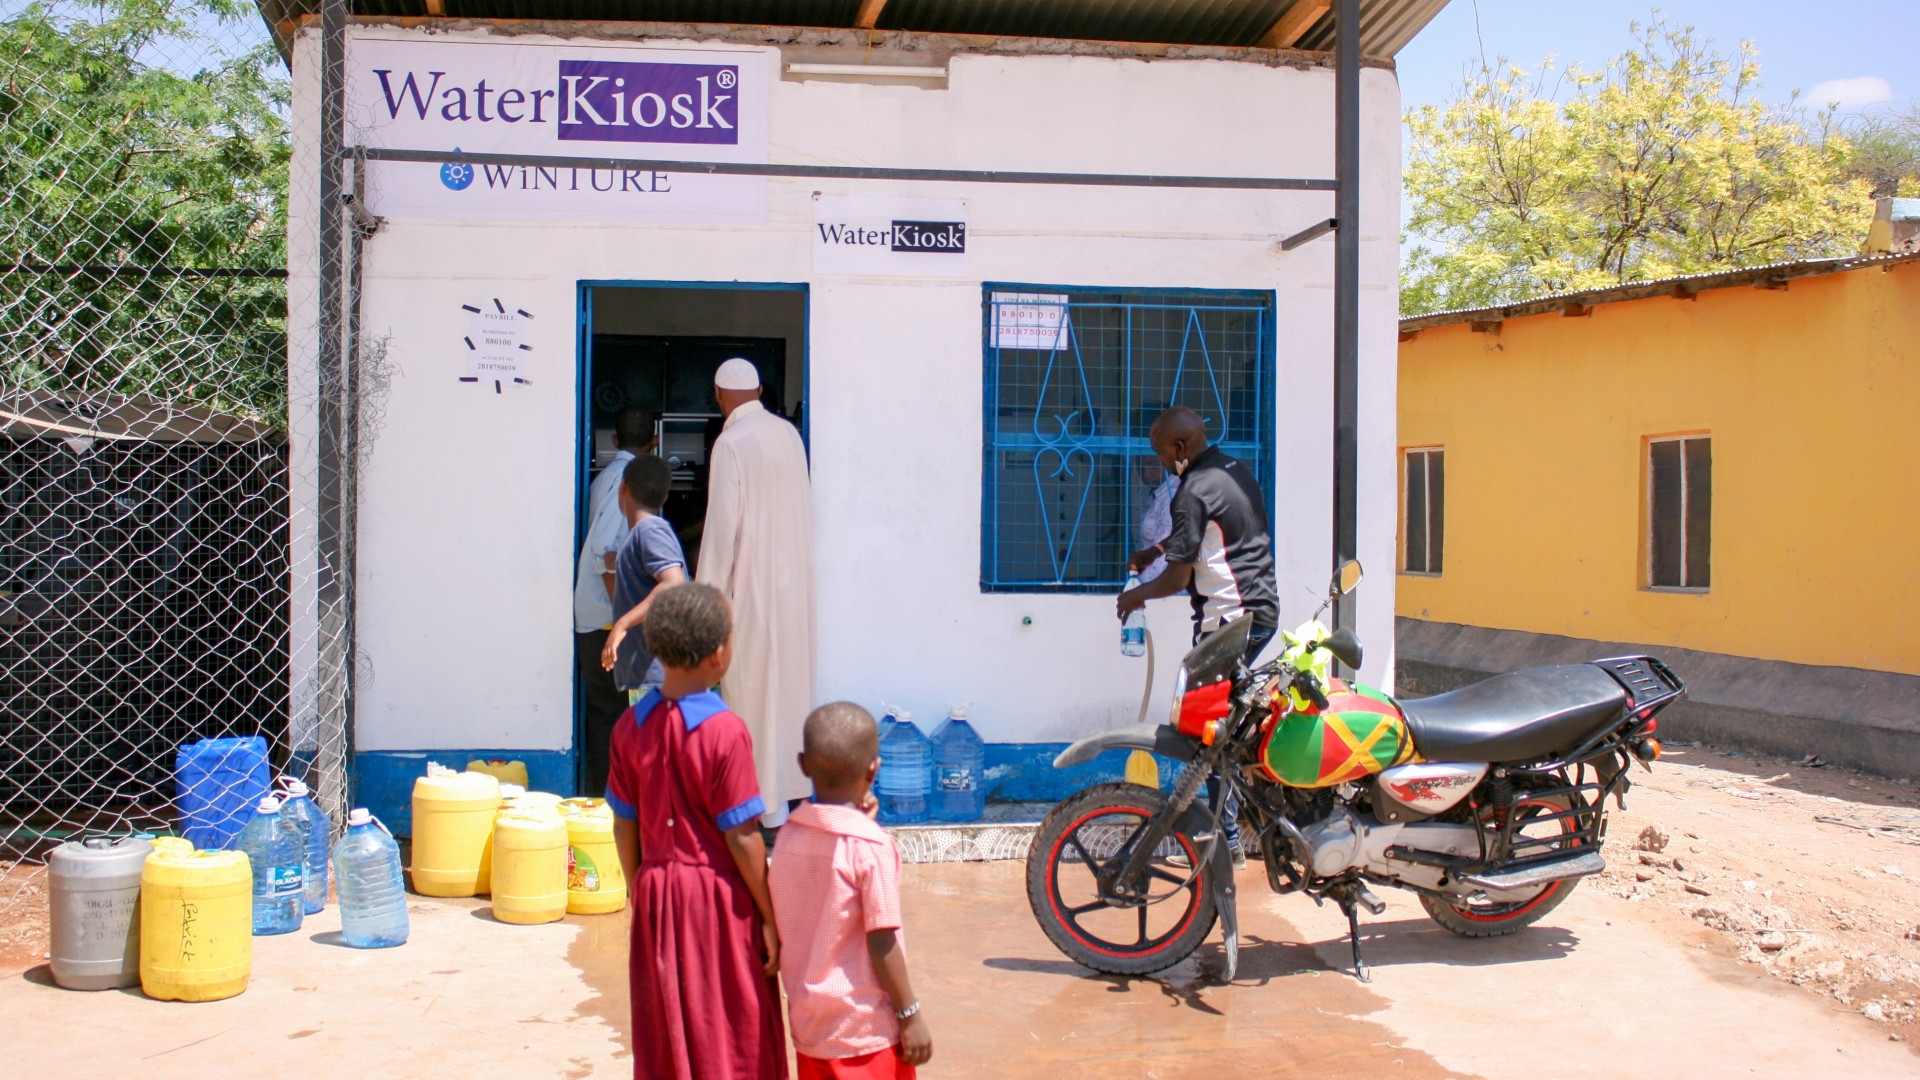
[[687, 812]]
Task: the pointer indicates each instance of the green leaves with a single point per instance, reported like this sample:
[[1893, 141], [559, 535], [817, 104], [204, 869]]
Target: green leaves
[[137, 137], [1663, 162]]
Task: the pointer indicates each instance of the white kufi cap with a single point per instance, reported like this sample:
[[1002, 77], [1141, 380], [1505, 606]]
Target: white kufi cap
[[737, 374]]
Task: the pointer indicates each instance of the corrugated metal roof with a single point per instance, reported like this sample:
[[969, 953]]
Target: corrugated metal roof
[[1385, 25], [1681, 284]]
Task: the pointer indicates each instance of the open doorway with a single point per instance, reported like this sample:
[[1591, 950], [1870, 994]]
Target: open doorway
[[655, 347]]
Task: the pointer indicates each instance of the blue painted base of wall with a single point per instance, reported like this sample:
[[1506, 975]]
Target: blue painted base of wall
[[383, 779], [1024, 772], [1015, 772]]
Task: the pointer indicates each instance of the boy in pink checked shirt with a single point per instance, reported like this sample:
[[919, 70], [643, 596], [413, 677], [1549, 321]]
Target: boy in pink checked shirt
[[835, 881]]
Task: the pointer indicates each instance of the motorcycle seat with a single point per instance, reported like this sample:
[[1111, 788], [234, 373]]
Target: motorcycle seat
[[1522, 716]]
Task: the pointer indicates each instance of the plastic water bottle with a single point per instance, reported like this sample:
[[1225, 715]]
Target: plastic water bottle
[[959, 759], [906, 772], [373, 895], [1133, 632], [315, 831], [273, 847]]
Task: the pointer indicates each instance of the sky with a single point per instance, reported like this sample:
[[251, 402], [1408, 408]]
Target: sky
[[1857, 52]]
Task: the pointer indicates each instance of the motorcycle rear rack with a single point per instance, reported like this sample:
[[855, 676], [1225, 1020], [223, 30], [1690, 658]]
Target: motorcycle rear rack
[[1649, 684]]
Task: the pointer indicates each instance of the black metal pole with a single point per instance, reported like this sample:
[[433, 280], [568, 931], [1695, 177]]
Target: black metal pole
[[1346, 293], [333, 59]]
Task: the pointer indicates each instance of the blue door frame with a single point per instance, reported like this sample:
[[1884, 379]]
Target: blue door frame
[[583, 441]]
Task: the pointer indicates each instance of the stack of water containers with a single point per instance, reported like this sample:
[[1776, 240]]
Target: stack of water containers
[[938, 779]]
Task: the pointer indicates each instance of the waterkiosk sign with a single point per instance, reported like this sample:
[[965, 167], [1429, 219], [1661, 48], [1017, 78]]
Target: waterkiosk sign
[[559, 100], [858, 234]]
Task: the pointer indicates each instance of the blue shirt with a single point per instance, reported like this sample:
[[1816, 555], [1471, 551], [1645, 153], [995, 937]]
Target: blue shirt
[[606, 528], [650, 549]]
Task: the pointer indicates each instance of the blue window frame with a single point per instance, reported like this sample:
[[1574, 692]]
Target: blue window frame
[[1074, 378]]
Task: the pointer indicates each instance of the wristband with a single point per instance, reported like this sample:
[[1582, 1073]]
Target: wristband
[[906, 1013]]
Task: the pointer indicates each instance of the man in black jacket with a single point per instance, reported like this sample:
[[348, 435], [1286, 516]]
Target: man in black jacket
[[1220, 551]]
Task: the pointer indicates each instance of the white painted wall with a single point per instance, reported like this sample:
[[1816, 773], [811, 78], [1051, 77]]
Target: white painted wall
[[466, 542]]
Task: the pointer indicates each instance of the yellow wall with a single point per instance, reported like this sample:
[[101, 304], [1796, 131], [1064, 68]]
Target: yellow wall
[[1812, 397]]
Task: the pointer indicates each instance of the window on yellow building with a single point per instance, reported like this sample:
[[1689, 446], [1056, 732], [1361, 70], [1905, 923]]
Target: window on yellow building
[[1680, 512], [1426, 519]]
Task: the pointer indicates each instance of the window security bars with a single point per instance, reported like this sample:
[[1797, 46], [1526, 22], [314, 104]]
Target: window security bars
[[1680, 512], [1074, 379], [1425, 486]]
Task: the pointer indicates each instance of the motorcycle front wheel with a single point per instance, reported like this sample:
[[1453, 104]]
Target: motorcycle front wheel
[[1094, 831]]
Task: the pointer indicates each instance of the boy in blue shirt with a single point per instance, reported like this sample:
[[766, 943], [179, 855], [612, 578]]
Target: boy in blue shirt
[[649, 558]]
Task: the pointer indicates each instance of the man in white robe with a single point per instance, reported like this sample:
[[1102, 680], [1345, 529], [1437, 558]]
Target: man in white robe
[[757, 548]]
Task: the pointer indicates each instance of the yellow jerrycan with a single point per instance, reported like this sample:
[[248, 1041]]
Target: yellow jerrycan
[[529, 866], [507, 772], [196, 923], [452, 819], [595, 885]]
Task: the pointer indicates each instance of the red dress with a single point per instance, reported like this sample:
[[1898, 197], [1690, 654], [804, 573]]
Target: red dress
[[703, 1008]]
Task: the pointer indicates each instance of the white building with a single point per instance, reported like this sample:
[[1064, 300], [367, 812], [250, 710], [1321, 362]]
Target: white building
[[977, 465]]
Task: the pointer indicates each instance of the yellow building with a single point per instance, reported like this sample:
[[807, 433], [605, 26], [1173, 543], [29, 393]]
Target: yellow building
[[1721, 467]]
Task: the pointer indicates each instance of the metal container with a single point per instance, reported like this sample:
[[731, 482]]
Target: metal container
[[94, 897]]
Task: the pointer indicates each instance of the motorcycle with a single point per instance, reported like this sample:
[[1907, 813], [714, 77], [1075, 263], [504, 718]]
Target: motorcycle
[[1487, 802]]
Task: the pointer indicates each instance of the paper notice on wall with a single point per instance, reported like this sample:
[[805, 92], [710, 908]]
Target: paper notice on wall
[[496, 342], [1031, 321]]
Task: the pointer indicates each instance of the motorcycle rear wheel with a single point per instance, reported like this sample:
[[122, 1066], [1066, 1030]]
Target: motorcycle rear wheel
[[1088, 831], [1498, 919]]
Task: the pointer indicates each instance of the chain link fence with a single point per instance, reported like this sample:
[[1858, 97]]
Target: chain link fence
[[156, 586]]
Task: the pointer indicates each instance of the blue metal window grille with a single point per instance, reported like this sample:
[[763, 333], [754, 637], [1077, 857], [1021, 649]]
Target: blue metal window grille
[[1074, 378]]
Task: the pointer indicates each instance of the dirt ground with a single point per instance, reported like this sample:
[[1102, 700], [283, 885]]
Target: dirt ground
[[1809, 874], [1772, 935]]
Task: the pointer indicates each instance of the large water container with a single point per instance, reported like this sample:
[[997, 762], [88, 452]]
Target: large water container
[[277, 856], [196, 924], [595, 883], [315, 832], [93, 897], [529, 866], [906, 772], [959, 765], [452, 822], [216, 785], [373, 892]]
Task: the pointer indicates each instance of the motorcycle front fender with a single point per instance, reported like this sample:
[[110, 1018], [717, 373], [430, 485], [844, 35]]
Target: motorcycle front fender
[[1154, 738]]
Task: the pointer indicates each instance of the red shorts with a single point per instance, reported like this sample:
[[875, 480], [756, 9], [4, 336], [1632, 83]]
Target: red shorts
[[879, 1065]]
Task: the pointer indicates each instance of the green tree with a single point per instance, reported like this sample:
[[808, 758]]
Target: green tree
[[1886, 151], [1662, 162], [136, 141]]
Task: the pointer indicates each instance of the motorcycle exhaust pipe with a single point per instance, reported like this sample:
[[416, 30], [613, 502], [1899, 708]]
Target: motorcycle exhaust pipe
[[1580, 865]]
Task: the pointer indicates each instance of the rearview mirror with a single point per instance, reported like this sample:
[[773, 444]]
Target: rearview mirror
[[1347, 578]]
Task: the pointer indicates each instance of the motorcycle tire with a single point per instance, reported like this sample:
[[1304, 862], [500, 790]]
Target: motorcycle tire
[[1062, 843], [1467, 922]]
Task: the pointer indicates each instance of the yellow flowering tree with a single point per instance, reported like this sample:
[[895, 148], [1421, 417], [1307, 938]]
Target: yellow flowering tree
[[1664, 161]]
